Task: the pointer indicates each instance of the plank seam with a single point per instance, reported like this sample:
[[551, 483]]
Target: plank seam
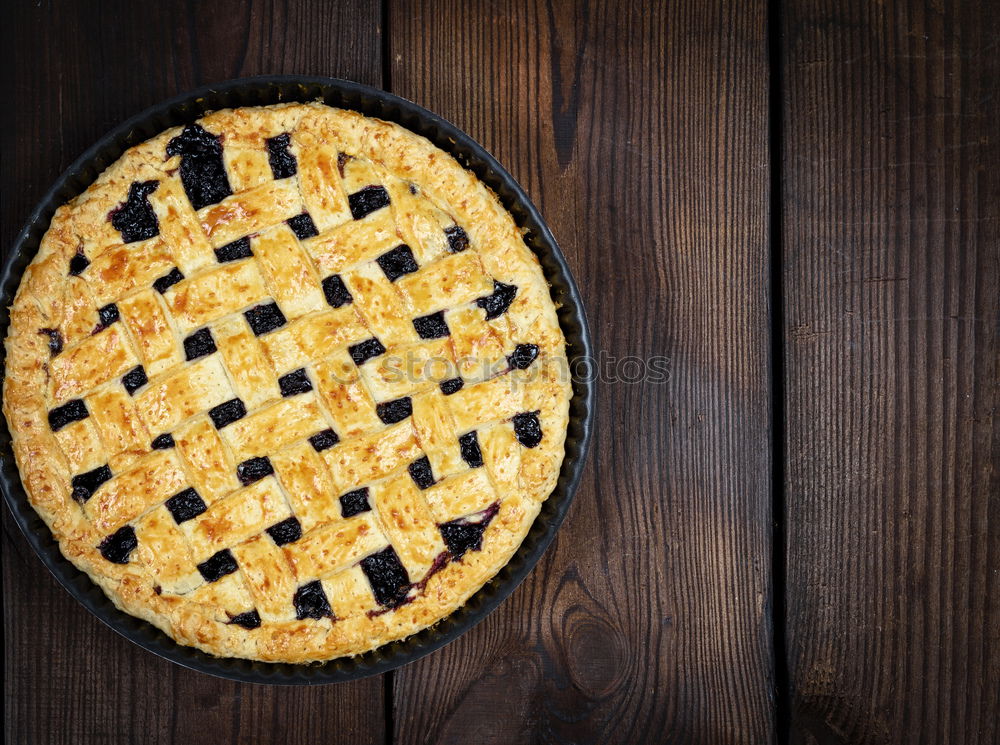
[[782, 694]]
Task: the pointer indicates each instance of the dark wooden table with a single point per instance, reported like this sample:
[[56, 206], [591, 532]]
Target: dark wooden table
[[796, 538]]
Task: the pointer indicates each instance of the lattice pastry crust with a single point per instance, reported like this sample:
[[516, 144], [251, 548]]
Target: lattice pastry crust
[[287, 383]]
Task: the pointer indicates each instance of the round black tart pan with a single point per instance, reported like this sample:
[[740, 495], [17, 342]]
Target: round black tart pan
[[262, 91]]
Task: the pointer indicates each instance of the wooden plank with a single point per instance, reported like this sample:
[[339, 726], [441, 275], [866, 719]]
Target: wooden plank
[[891, 271], [78, 69], [641, 132]]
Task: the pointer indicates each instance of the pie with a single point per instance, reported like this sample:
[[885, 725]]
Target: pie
[[287, 383]]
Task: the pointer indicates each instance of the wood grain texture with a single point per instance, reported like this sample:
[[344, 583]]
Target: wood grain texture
[[79, 68], [891, 268], [640, 130]]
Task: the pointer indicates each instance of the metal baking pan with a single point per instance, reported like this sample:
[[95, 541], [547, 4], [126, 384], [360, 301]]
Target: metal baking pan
[[261, 91]]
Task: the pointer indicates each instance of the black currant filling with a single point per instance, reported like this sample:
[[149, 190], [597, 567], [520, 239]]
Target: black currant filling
[[69, 412], [218, 566], [522, 356], [397, 262], [135, 218], [465, 535], [86, 484], [55, 340], [163, 442], [367, 200], [421, 473], [199, 344], [354, 502], [226, 413], [458, 239], [336, 291], [394, 411], [203, 172], [527, 429], [342, 159], [303, 226], [186, 505], [265, 318], [324, 440], [387, 576], [286, 531], [497, 304], [249, 620], [294, 383], [471, 454], [134, 379], [432, 326], [283, 163], [106, 316], [366, 350], [117, 547], [310, 602], [254, 469], [238, 249], [78, 263], [168, 280], [454, 385]]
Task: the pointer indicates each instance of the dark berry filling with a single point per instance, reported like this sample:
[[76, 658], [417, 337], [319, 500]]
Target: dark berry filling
[[394, 411], [387, 576], [458, 239], [117, 546], [249, 620], [226, 413], [254, 469], [397, 262], [354, 502], [303, 226], [497, 303], [342, 159], [106, 316], [366, 350], [199, 344], [336, 291], [294, 383], [283, 163], [432, 326], [453, 385], [55, 340], [367, 200], [203, 173], [78, 263], [421, 473], [527, 429], [324, 440], [163, 442], [471, 454], [69, 412], [86, 484], [264, 318], [135, 218], [168, 280], [522, 356], [286, 531], [310, 602], [238, 249], [134, 379], [218, 565], [186, 505], [463, 535]]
